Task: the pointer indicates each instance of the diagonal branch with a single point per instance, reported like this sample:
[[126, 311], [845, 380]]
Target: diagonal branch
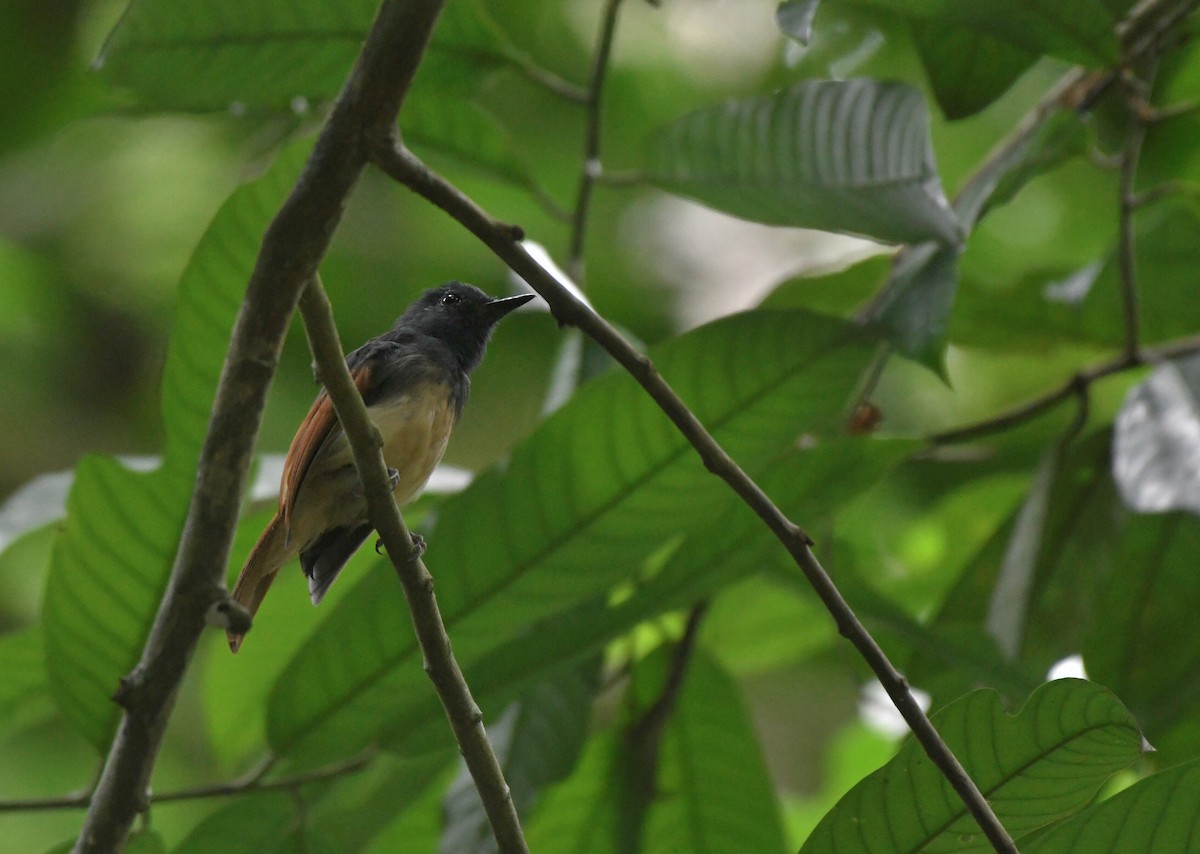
[[291, 251], [464, 715], [504, 241]]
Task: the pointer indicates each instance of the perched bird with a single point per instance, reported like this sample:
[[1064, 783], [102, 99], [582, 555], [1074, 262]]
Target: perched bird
[[414, 380]]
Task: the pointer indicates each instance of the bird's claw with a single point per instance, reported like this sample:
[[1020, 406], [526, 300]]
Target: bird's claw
[[418, 543], [393, 478]]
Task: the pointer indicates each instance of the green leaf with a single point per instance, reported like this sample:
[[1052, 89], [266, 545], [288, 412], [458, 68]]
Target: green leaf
[[601, 485], [537, 742], [115, 551], [1035, 768], [1079, 31], [1146, 612], [849, 156], [713, 793], [270, 55], [466, 131], [1155, 814], [24, 697], [253, 824], [968, 69], [579, 816], [916, 303]]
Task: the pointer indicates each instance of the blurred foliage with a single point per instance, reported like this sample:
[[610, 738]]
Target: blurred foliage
[[146, 147]]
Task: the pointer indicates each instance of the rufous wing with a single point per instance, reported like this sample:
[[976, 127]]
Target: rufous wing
[[314, 430]]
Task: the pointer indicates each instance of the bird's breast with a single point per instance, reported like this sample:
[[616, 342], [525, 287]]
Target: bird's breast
[[415, 427]]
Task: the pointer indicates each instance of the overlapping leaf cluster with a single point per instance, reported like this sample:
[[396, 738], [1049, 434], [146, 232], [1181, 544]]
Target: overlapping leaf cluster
[[562, 573]]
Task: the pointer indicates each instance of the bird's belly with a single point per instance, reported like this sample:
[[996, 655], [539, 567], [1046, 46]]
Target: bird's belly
[[415, 428]]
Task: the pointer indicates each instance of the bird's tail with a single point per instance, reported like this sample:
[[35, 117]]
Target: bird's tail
[[267, 556]]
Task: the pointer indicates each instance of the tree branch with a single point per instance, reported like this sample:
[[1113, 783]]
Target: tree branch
[[1074, 385], [291, 250], [252, 782], [591, 141], [464, 715], [503, 240]]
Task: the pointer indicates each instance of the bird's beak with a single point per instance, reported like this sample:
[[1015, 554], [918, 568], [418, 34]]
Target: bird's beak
[[498, 308]]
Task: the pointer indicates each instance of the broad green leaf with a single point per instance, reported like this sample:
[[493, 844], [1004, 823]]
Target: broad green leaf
[[1145, 615], [1156, 459], [847, 156], [537, 742], [270, 55], [1035, 768], [114, 554], [252, 824], [1079, 31], [968, 69], [839, 293], [915, 305], [24, 696], [579, 815], [1072, 565], [1042, 306], [712, 792], [1156, 814], [354, 811], [464, 130], [601, 485]]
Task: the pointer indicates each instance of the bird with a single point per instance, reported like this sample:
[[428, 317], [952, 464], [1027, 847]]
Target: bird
[[414, 380]]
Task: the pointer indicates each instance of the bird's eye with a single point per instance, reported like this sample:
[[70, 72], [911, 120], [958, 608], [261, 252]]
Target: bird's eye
[[451, 299]]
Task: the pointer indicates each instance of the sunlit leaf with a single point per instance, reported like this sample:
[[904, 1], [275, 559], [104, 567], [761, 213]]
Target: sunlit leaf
[[602, 484], [24, 696], [1041, 765], [111, 562], [847, 156]]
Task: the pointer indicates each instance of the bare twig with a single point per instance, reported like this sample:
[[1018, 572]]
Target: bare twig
[[252, 782], [464, 715], [503, 239], [591, 142], [291, 251], [643, 738], [1080, 380]]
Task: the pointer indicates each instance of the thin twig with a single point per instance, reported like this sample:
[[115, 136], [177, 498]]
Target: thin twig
[[1081, 379], [643, 737], [1126, 240], [464, 715], [591, 140], [252, 782], [503, 240]]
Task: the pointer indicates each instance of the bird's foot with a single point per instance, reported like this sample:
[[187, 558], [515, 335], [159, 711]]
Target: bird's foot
[[393, 478], [418, 543]]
